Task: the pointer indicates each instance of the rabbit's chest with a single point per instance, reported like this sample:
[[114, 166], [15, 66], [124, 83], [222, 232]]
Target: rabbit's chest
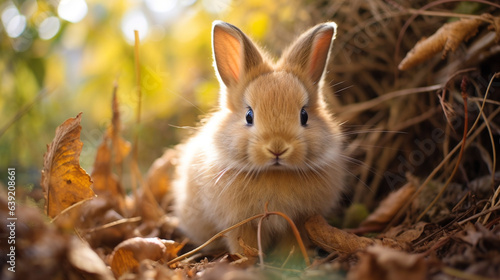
[[240, 198]]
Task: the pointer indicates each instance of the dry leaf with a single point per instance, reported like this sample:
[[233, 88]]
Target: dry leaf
[[173, 249], [389, 207], [127, 256], [81, 256], [446, 39], [121, 147], [333, 239], [405, 233], [113, 146], [105, 182], [64, 182], [158, 179], [155, 188], [382, 263], [99, 225]]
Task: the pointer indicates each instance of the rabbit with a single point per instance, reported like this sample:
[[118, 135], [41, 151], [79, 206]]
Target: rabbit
[[272, 140]]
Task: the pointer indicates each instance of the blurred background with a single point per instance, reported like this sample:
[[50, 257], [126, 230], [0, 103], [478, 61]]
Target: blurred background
[[59, 58]]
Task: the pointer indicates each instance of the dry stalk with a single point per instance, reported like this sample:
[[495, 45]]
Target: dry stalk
[[495, 195], [261, 216], [470, 138], [460, 155], [448, 156]]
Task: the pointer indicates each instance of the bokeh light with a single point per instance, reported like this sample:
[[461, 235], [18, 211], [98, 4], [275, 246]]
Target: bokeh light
[[49, 27], [13, 22], [134, 20], [72, 10], [161, 6]]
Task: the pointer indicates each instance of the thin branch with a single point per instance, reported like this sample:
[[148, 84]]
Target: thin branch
[[261, 216], [470, 136], [114, 223], [460, 155], [484, 212], [213, 238]]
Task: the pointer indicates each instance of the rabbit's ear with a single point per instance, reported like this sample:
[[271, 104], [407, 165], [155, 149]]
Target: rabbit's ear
[[311, 50], [234, 53]]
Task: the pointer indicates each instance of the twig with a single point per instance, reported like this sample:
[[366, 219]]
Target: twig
[[493, 204], [360, 107], [290, 254], [69, 208], [441, 164], [460, 155], [470, 137], [134, 164], [484, 212], [259, 239], [220, 234], [297, 235], [481, 111], [115, 223], [261, 216], [446, 14]]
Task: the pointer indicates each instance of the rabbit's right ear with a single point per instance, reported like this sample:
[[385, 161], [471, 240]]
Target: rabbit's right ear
[[234, 53], [311, 50]]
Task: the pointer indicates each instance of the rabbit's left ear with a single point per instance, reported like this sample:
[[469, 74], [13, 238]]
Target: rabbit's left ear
[[311, 50], [234, 53]]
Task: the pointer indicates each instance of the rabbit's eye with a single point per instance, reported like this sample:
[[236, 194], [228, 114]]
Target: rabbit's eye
[[303, 117], [249, 116]]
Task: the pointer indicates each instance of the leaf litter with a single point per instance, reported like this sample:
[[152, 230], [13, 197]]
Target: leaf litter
[[94, 229]]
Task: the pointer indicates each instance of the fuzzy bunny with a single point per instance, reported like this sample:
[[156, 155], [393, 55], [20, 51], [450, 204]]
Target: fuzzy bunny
[[271, 141]]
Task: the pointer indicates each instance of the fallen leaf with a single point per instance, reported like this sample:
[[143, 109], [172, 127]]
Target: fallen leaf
[[127, 256], [382, 263], [389, 207], [81, 256], [173, 249], [333, 239], [63, 181], [446, 39], [112, 150], [155, 188], [100, 228], [105, 182], [405, 233], [121, 147], [158, 178]]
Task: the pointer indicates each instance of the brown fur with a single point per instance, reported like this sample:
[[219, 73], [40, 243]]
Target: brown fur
[[226, 172]]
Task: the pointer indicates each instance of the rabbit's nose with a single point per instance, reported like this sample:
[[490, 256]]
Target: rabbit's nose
[[278, 153], [277, 148]]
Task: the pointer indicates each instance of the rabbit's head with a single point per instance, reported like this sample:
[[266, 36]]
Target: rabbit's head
[[272, 115]]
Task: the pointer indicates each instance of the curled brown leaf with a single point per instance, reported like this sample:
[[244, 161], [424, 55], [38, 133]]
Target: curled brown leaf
[[389, 207], [127, 256], [64, 181], [333, 239]]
